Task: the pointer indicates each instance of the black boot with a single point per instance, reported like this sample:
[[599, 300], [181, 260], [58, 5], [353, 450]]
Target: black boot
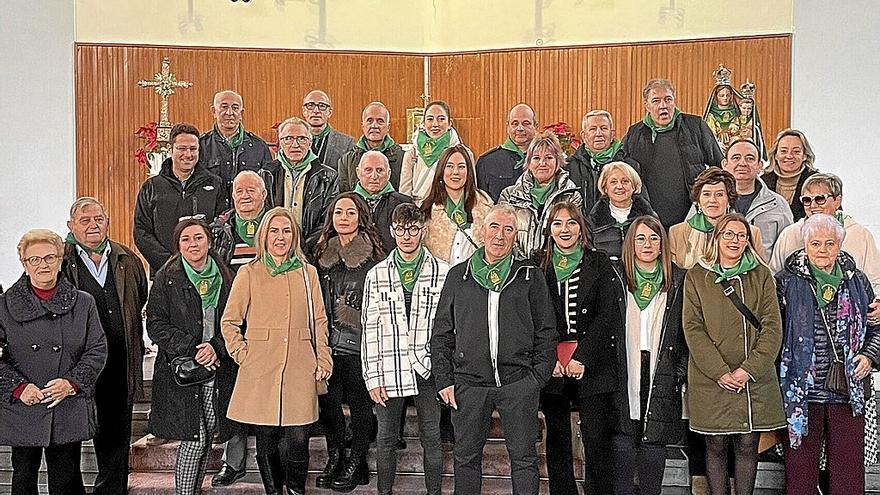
[[354, 473], [296, 478], [331, 470], [271, 473]]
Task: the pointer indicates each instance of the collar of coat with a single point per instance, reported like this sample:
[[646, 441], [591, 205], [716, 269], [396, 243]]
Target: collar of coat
[[797, 264], [520, 192], [23, 305], [515, 266], [354, 254], [600, 215]]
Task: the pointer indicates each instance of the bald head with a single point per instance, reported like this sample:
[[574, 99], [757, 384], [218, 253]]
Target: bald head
[[317, 110], [227, 108], [521, 125]]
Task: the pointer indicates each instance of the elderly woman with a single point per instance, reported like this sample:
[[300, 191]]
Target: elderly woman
[[732, 327], [791, 162], [829, 348], [544, 184], [610, 218], [184, 310], [713, 193], [455, 208], [282, 368], [53, 349]]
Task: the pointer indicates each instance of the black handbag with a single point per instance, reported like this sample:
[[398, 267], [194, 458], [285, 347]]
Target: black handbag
[[187, 372], [835, 380]]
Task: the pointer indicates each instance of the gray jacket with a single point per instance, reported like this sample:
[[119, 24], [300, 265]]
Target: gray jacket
[[770, 213], [336, 145]]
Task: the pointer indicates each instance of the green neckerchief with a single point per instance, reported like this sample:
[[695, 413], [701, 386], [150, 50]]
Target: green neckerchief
[[301, 165], [70, 239], [724, 116], [384, 145], [564, 264], [541, 193], [370, 197], [647, 285], [701, 223], [602, 158], [493, 276], [287, 265], [510, 146], [321, 135], [839, 216], [247, 229], [746, 263], [236, 139], [408, 271], [207, 282], [826, 283], [655, 129], [456, 213], [430, 148]]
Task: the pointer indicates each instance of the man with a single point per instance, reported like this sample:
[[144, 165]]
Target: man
[[115, 277], [300, 180], [228, 148], [502, 165], [395, 346], [672, 149], [493, 348], [181, 189], [761, 206], [328, 144], [373, 185], [600, 148], [375, 122]]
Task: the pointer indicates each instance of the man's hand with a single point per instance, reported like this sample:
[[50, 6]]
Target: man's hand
[[448, 396], [558, 370], [575, 369], [56, 391], [379, 395], [206, 356], [31, 395]]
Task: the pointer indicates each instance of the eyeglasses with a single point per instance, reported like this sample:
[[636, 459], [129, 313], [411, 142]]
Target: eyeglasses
[[298, 139], [729, 235], [641, 240], [35, 261], [820, 199], [320, 106], [412, 230]]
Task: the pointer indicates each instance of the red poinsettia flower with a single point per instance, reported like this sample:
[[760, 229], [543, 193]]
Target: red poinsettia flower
[[141, 156]]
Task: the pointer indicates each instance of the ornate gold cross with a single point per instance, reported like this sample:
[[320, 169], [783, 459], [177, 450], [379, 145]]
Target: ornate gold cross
[[165, 85]]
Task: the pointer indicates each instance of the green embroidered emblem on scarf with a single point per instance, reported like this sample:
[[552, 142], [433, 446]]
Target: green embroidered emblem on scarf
[[70, 239], [247, 229], [370, 197], [724, 116], [408, 271], [602, 158], [839, 216], [647, 285], [491, 276], [291, 263], [510, 146], [826, 283], [207, 282], [541, 193], [701, 223], [456, 213], [655, 129], [383, 146], [430, 148], [564, 264], [746, 263]]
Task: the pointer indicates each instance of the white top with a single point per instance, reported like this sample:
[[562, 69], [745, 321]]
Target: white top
[[99, 271], [494, 304], [620, 214], [462, 248]]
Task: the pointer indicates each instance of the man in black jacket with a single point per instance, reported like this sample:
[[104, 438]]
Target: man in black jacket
[[501, 166], [182, 189], [375, 122], [228, 148], [672, 149], [373, 185], [493, 348]]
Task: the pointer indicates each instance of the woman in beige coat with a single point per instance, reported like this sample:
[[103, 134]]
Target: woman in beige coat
[[275, 328]]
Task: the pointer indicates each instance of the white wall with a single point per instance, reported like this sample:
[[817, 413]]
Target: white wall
[[835, 78], [37, 122]]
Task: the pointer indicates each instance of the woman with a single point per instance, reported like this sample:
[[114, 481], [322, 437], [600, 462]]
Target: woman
[[791, 161], [431, 139], [184, 310], [612, 215], [53, 349], [579, 279], [733, 337], [282, 368], [544, 184], [829, 348], [455, 208], [346, 250], [713, 193], [652, 360]]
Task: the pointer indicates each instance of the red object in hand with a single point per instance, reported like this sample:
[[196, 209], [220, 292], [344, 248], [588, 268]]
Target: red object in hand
[[564, 351]]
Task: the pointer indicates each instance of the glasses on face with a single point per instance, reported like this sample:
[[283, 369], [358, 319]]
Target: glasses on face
[[729, 235], [35, 261], [288, 140], [641, 240], [412, 230], [820, 199], [186, 149], [310, 106]]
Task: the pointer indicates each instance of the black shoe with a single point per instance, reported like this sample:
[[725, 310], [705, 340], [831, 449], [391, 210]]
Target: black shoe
[[227, 476], [296, 478], [354, 473], [401, 444], [331, 470]]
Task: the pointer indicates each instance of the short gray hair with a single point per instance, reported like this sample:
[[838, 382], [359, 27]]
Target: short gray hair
[[374, 154], [826, 180], [249, 174], [500, 208], [84, 201], [597, 113], [821, 222], [377, 104], [292, 121]]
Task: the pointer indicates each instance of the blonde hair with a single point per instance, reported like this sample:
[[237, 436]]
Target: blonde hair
[[626, 169], [263, 233], [809, 156], [548, 141], [36, 236], [713, 254]]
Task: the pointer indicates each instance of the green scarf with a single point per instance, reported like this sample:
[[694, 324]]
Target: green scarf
[[655, 129], [701, 223], [564, 264], [493, 276], [287, 265], [826, 283], [746, 263], [384, 145], [430, 148], [647, 285], [541, 193], [207, 282], [408, 271], [724, 116], [301, 165], [236, 139], [370, 197], [70, 239], [510, 146], [839, 216], [456, 213], [602, 158], [321, 135], [247, 229]]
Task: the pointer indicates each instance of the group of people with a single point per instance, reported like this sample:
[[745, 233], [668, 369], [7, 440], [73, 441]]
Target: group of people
[[655, 285]]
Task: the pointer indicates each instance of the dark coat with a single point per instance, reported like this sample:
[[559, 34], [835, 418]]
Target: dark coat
[[381, 211], [496, 170], [217, 157], [337, 143], [131, 290], [58, 338], [163, 200], [586, 178], [603, 230], [797, 208], [174, 323], [349, 161], [321, 187]]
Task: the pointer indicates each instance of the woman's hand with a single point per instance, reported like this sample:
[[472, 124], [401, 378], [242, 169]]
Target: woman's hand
[[207, 357], [322, 374], [863, 366], [31, 395], [575, 369], [729, 382], [56, 391], [558, 370]]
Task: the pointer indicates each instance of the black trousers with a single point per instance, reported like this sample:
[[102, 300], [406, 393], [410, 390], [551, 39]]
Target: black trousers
[[347, 381], [599, 415], [112, 443], [62, 465], [557, 409]]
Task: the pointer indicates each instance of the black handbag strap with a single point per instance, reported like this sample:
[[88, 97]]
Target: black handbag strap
[[731, 294]]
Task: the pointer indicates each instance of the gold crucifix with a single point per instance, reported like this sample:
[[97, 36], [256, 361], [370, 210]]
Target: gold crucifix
[[165, 84]]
